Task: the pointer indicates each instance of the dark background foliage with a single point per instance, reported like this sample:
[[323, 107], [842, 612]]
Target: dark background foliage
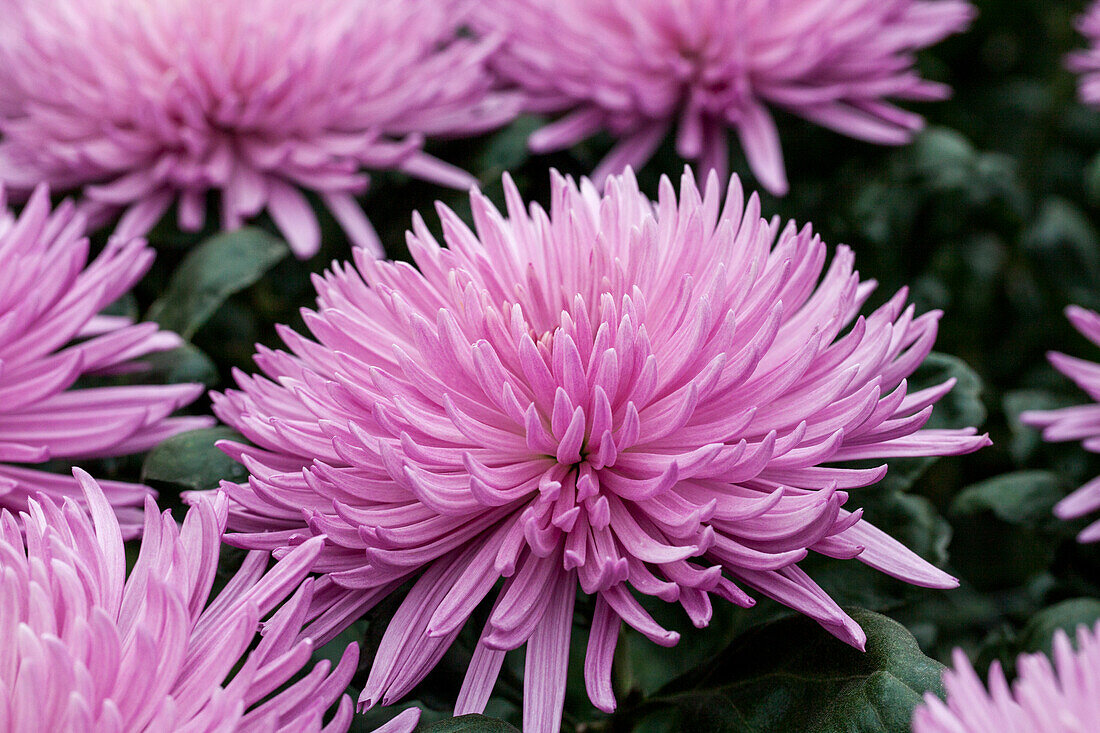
[[990, 215]]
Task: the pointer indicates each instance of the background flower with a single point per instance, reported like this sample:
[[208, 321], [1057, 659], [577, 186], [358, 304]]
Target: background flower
[[1045, 698], [84, 647], [620, 395], [51, 336], [1087, 62], [638, 69], [145, 104], [1076, 423]]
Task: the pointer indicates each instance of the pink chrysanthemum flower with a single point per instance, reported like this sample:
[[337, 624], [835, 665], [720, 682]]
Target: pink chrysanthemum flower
[[1086, 63], [1081, 422], [83, 647], [618, 395], [51, 336], [638, 69], [142, 104], [1045, 698]]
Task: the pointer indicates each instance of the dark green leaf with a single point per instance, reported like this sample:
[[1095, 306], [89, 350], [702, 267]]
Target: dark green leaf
[[184, 364], [468, 724], [191, 461], [1022, 498], [213, 271], [791, 675], [508, 149], [1003, 528], [1067, 615]]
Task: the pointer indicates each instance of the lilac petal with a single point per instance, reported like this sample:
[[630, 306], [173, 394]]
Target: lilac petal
[[548, 661]]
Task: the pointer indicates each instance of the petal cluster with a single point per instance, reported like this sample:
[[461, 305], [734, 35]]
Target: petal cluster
[[618, 395], [1081, 422], [1063, 697], [142, 105], [1086, 62], [638, 69], [51, 335], [83, 647]]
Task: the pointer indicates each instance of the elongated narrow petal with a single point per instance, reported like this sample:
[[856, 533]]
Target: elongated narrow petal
[[84, 648], [51, 335], [1080, 422], [1086, 62], [1059, 695], [621, 396]]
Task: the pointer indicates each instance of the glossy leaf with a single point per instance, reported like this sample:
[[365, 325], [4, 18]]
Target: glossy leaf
[[213, 271]]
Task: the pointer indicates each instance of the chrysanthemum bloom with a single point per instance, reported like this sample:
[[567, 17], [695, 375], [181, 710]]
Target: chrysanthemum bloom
[[1081, 422], [83, 647], [142, 104], [51, 336], [618, 395], [1087, 62], [641, 68], [1045, 698]]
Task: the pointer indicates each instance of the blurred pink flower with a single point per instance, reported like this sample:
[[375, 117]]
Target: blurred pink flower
[[1059, 698], [620, 395], [637, 69], [1081, 422], [1086, 62], [84, 648], [142, 104], [51, 336]]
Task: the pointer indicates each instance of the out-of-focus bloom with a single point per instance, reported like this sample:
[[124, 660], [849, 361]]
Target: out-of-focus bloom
[[626, 396], [83, 647], [1081, 422], [1045, 698], [51, 336], [637, 69], [142, 104], [1087, 62]]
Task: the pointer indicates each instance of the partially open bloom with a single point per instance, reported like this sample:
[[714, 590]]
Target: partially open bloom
[[1045, 698], [142, 104], [638, 69], [1081, 422], [618, 395], [1087, 62], [51, 336], [83, 647]]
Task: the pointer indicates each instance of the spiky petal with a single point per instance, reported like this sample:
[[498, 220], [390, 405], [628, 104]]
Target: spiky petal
[[51, 335], [144, 104], [615, 395], [83, 647], [641, 68], [1086, 62], [1063, 697], [1081, 422]]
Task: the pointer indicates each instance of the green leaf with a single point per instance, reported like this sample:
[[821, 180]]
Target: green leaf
[[1021, 498], [508, 149], [468, 724], [1004, 529], [184, 364], [191, 461], [1067, 615], [944, 157], [213, 271], [791, 675]]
